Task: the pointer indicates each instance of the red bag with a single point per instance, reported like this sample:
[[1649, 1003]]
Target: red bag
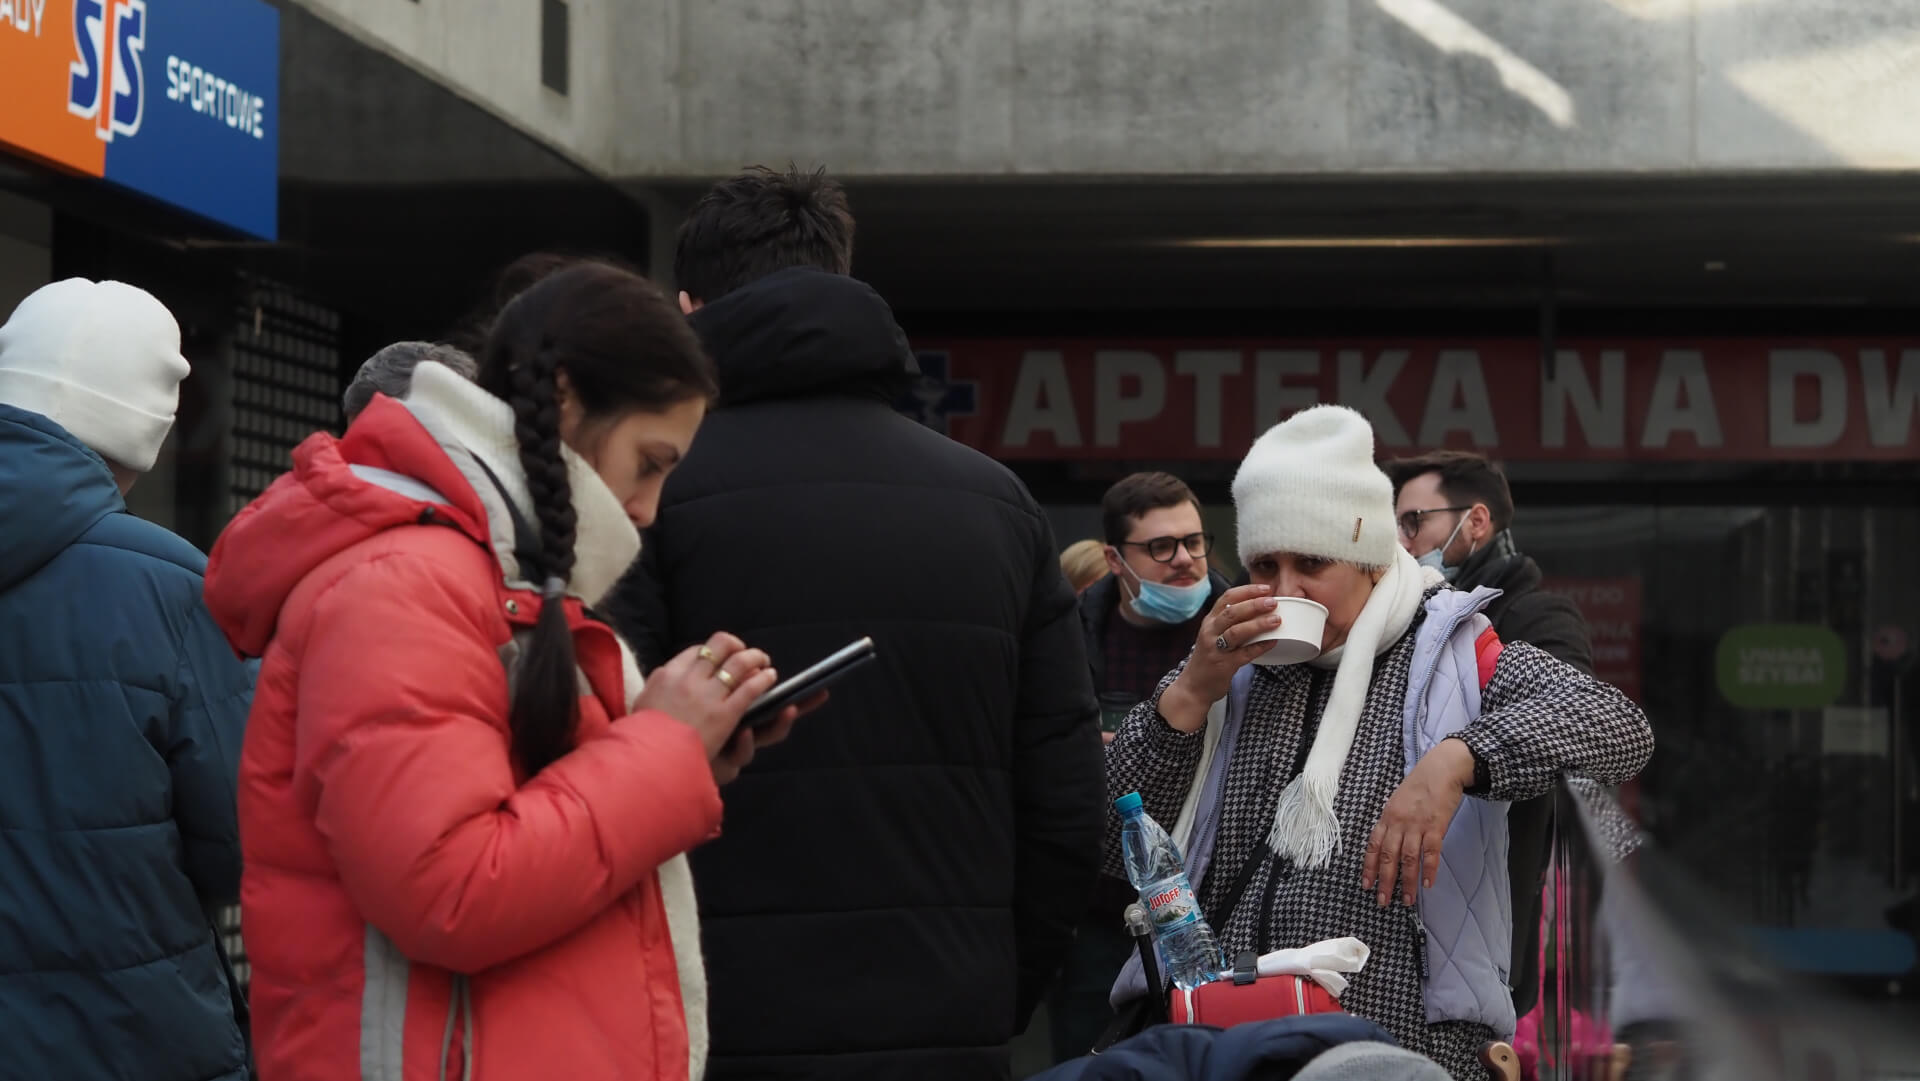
[[1225, 1003]]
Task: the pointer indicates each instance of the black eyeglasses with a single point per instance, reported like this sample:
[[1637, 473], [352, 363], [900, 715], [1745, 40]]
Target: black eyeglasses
[[1410, 521], [1162, 549]]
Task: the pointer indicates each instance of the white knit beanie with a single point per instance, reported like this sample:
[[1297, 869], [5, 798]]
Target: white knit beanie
[[1309, 486], [100, 359]]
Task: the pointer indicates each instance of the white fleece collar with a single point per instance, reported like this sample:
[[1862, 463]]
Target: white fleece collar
[[683, 915], [472, 425]]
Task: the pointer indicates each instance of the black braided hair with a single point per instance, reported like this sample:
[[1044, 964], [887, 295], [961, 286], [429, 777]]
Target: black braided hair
[[623, 347], [547, 667]]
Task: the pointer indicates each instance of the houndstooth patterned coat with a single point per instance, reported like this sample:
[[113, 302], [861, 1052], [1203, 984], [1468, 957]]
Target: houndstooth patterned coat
[[1541, 720]]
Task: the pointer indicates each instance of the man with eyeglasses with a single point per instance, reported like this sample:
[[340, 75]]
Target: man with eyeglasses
[[1140, 622], [1455, 515]]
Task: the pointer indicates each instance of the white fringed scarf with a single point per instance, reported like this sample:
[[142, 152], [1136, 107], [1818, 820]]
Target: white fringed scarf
[[1305, 828]]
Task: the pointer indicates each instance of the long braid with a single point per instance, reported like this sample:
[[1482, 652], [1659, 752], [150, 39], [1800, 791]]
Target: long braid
[[536, 427], [546, 705], [621, 347]]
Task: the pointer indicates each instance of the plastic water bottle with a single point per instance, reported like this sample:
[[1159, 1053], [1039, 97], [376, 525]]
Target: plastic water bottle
[[1188, 954]]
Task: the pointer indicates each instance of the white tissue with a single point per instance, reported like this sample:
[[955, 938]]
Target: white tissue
[[1322, 962]]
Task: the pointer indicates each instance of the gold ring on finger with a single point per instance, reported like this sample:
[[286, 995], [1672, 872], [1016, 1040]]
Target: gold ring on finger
[[707, 654], [725, 677]]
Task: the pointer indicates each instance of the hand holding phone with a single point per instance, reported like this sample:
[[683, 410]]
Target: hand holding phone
[[768, 720], [808, 684], [709, 687], [747, 742]]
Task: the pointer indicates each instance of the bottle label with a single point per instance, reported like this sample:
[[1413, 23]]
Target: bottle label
[[1171, 905]]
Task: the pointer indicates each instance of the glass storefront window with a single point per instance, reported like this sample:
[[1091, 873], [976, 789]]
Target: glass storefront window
[[1773, 648]]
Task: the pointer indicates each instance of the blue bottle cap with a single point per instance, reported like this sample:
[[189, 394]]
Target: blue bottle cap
[[1129, 804]]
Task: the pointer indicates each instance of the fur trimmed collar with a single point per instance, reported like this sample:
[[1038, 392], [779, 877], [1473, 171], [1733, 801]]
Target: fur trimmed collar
[[474, 426]]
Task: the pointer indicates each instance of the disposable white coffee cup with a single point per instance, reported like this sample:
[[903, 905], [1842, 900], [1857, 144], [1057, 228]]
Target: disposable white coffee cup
[[1297, 639]]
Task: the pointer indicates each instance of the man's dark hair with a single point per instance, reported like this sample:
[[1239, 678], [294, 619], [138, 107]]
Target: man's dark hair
[[1466, 478], [1137, 495], [761, 221]]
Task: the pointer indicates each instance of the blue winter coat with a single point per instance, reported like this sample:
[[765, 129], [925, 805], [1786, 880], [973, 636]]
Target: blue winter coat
[[121, 710], [1266, 1050]]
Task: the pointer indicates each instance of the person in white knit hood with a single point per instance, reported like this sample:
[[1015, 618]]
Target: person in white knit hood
[[1331, 803], [102, 360], [121, 712]]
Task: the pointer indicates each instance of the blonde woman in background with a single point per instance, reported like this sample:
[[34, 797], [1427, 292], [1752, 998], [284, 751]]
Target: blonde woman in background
[[1084, 563]]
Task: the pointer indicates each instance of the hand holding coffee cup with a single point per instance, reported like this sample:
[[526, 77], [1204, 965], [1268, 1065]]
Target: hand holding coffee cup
[[1303, 624], [1226, 642]]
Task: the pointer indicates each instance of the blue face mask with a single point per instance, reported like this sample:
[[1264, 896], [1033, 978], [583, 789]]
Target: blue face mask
[[1437, 559], [1168, 604]]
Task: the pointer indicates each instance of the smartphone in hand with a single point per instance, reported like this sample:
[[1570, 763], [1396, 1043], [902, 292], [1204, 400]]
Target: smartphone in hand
[[766, 709]]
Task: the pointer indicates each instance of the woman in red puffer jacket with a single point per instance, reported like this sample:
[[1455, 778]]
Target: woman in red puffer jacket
[[463, 818]]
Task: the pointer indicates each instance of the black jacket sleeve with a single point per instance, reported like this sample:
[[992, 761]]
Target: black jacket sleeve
[[1550, 623], [1059, 782], [637, 608]]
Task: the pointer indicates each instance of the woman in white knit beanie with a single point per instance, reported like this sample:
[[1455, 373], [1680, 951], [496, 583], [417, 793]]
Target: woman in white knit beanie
[[1328, 802]]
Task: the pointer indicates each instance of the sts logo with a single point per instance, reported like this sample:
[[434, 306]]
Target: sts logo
[[105, 83]]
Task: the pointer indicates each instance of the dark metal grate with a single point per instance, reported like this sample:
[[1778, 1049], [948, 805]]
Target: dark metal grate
[[286, 386]]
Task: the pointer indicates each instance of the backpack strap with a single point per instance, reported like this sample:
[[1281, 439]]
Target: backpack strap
[[526, 539], [1486, 653], [1260, 854], [1486, 656], [1241, 690]]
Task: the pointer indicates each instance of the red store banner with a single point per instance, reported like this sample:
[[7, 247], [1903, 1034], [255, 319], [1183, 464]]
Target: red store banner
[[1682, 399], [1611, 607]]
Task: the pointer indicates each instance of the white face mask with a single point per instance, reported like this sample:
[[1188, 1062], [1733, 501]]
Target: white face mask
[[1437, 559]]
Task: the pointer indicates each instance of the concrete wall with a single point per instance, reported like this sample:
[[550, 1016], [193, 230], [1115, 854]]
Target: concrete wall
[[687, 88], [487, 51], [355, 115]]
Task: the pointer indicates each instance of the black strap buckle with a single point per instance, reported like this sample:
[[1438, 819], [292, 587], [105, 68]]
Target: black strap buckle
[[1246, 968]]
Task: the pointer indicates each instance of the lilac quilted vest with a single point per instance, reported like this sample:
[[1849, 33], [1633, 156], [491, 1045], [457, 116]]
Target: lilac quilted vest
[[1468, 914]]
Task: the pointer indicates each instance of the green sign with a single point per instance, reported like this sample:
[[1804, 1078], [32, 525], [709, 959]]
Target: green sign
[[1782, 666]]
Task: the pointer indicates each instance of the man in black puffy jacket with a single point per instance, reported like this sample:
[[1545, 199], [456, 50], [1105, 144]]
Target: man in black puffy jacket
[[1455, 513], [897, 884]]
